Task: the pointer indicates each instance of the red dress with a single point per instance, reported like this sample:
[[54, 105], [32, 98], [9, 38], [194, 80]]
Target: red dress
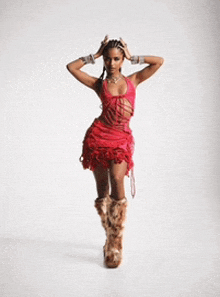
[[109, 137]]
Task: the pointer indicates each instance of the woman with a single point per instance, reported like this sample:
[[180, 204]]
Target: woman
[[108, 143]]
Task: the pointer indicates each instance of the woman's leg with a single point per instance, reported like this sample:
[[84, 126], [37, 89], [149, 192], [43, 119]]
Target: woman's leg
[[117, 174], [116, 216], [102, 185], [102, 181]]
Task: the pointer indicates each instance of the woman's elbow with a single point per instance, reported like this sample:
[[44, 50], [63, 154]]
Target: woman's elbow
[[68, 67], [161, 61]]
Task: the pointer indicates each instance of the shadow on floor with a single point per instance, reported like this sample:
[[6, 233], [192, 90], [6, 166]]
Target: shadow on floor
[[76, 252]]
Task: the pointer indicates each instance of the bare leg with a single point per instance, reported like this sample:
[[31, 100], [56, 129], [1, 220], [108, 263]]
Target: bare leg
[[117, 174], [102, 181], [102, 184]]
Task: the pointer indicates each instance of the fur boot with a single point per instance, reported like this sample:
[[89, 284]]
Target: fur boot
[[101, 207], [116, 216]]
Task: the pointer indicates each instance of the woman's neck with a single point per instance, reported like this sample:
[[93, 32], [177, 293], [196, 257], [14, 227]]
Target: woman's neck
[[111, 75]]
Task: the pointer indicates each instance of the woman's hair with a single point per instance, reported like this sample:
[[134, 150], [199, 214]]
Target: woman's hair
[[114, 43]]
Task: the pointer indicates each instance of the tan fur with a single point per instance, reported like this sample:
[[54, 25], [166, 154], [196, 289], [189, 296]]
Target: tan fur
[[116, 216], [101, 207]]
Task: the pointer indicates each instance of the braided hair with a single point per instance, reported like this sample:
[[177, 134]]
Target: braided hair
[[114, 43]]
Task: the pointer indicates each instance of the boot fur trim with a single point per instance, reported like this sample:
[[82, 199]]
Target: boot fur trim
[[101, 207], [116, 216]]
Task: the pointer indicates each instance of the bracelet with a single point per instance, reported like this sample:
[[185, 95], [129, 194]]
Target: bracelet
[[88, 59], [141, 59], [134, 60], [137, 59]]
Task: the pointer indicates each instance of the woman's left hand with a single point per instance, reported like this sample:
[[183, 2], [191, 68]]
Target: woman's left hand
[[125, 49], [101, 48]]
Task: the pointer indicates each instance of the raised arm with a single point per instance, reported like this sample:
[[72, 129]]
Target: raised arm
[[154, 64], [75, 67]]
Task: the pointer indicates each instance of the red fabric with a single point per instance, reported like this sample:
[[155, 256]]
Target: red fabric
[[117, 110], [109, 137]]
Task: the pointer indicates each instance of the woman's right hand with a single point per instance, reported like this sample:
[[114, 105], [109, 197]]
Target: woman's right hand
[[75, 66], [103, 45]]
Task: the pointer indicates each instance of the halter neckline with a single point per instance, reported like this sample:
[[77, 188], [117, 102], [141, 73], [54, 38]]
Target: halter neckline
[[106, 88]]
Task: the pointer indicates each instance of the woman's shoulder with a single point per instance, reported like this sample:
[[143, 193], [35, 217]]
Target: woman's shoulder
[[131, 80]]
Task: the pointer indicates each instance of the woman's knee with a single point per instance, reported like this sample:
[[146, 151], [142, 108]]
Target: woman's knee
[[102, 183], [117, 178]]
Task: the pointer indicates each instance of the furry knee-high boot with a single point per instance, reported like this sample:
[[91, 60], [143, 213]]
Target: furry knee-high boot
[[101, 207], [116, 217]]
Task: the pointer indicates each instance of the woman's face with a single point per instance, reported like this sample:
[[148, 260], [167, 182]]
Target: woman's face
[[113, 60]]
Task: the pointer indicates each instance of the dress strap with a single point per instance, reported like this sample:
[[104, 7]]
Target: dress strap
[[132, 182]]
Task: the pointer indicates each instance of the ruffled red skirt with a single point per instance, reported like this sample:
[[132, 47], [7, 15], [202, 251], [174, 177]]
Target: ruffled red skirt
[[103, 144]]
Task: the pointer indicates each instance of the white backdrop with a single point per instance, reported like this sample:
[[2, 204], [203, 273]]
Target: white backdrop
[[45, 112]]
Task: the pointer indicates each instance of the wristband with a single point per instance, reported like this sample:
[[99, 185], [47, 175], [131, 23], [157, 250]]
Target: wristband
[[137, 59], [88, 59], [141, 59], [134, 60]]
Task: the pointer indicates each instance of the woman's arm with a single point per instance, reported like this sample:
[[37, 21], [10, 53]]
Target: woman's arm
[[140, 76], [75, 68]]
